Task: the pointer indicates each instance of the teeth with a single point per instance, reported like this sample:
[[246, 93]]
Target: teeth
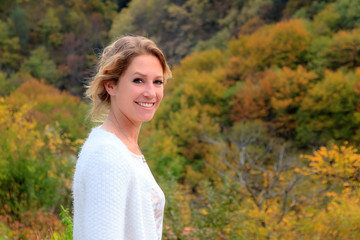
[[146, 104]]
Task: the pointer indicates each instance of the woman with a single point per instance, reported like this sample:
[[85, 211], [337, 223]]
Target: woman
[[115, 195]]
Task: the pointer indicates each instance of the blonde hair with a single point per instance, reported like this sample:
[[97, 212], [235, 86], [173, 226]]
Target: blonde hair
[[113, 62]]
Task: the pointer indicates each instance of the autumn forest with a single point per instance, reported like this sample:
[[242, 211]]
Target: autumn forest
[[257, 136]]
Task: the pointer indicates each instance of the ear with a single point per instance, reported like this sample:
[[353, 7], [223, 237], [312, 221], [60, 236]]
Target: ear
[[110, 87]]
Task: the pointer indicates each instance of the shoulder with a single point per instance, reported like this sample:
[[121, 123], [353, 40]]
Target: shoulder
[[100, 141], [103, 150]]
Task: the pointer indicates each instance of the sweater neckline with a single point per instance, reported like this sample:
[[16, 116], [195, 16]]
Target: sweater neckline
[[139, 156]]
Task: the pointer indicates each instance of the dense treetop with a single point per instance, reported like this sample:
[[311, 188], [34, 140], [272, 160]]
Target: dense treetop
[[59, 40]]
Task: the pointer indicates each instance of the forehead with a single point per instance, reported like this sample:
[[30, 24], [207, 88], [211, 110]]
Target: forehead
[[145, 64]]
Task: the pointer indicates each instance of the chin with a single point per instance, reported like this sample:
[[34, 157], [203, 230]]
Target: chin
[[147, 119]]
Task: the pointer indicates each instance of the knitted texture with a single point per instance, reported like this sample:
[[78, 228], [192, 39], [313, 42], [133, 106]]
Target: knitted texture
[[113, 192]]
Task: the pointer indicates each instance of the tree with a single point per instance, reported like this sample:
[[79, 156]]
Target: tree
[[344, 50], [252, 99], [188, 22], [262, 168], [340, 15], [335, 173], [9, 49], [294, 5], [290, 88], [328, 110], [21, 29], [51, 106], [349, 11], [282, 44], [41, 66], [35, 164], [50, 27]]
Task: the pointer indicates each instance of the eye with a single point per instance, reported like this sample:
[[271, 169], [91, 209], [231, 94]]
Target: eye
[[137, 80], [158, 82]]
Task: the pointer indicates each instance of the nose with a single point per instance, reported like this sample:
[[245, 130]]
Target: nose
[[149, 91]]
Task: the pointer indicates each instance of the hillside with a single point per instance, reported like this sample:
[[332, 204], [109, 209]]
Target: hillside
[[257, 135]]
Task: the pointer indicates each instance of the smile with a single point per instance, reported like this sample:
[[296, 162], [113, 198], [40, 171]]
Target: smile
[[145, 104]]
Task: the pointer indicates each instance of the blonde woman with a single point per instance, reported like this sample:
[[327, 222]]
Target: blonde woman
[[115, 195]]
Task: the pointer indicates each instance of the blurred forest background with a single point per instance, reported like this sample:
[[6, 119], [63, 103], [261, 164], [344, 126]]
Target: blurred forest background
[[256, 138]]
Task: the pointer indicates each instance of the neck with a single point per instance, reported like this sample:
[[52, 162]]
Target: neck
[[130, 129]]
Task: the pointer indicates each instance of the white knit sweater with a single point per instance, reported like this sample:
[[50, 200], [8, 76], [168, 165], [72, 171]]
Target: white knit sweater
[[114, 193]]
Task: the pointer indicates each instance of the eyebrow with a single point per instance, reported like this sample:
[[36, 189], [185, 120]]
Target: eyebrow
[[139, 73]]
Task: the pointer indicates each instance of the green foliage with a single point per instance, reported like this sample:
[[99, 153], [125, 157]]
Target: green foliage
[[77, 22], [293, 6], [316, 58], [33, 173], [214, 213], [177, 213], [218, 41], [67, 221], [327, 112], [41, 66], [340, 15], [163, 156], [344, 50], [9, 49], [70, 31], [5, 85], [9, 83], [349, 11], [37, 156], [326, 21], [50, 28], [122, 23], [18, 16], [4, 31], [309, 11]]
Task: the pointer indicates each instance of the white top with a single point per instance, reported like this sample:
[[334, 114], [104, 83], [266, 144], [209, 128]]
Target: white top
[[115, 195]]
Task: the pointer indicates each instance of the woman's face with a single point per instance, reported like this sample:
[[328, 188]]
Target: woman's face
[[140, 90]]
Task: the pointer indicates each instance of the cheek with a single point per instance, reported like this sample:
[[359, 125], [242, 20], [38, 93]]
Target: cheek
[[160, 94]]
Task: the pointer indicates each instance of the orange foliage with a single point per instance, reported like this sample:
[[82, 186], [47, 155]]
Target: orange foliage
[[282, 44], [251, 26], [32, 225], [290, 88], [252, 100]]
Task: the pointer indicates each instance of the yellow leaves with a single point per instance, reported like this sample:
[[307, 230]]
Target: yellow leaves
[[203, 211], [204, 61], [48, 105], [337, 220], [330, 194], [338, 164], [281, 44], [32, 154]]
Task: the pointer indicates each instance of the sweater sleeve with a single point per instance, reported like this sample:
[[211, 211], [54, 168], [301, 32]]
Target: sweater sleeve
[[107, 181]]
